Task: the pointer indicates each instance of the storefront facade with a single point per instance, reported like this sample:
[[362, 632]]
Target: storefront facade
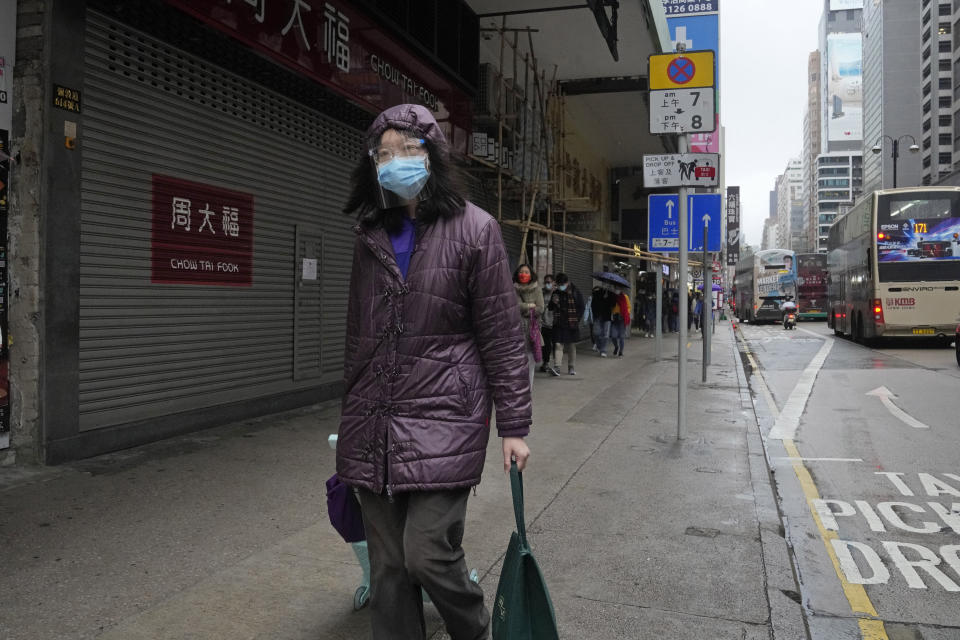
[[195, 259]]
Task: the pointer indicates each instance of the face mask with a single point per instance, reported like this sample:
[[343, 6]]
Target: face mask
[[562, 287], [524, 278], [405, 176], [548, 286]]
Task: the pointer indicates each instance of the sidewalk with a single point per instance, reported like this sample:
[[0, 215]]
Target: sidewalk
[[223, 533]]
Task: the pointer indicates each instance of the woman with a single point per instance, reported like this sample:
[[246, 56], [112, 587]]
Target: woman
[[619, 321], [530, 304], [433, 342], [546, 326], [567, 306]]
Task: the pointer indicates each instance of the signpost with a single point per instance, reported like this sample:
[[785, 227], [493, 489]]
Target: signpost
[[682, 111], [678, 72], [687, 170]]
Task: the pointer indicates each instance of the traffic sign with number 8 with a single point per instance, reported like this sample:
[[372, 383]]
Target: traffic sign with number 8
[[682, 111]]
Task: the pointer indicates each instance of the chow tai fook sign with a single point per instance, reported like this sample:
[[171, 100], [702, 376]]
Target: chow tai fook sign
[[335, 44], [202, 234]]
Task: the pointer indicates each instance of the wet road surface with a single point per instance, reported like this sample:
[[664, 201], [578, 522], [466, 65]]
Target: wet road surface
[[863, 445]]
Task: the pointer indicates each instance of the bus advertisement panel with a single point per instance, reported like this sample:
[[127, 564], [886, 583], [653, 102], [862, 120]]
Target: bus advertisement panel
[[812, 285], [776, 281], [918, 229], [778, 274]]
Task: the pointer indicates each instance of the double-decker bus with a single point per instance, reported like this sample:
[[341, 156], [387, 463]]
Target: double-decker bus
[[763, 280], [894, 265], [812, 286]]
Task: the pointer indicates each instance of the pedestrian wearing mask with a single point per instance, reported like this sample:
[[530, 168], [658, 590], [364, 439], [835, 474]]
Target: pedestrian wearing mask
[[546, 326], [530, 305], [433, 342], [567, 306]]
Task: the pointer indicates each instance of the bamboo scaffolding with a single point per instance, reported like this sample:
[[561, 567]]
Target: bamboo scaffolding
[[621, 250]]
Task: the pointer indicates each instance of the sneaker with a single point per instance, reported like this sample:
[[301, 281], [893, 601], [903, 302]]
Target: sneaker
[[603, 354], [620, 355], [553, 371], [571, 372]]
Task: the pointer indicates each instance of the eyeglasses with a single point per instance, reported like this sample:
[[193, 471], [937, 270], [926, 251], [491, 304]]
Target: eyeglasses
[[411, 148]]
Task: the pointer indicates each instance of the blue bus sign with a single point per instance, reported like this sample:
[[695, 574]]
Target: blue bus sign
[[663, 222]]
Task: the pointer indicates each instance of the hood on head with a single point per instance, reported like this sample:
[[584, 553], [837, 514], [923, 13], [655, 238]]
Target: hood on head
[[408, 117]]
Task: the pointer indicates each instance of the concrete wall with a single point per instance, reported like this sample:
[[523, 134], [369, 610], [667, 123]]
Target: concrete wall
[[25, 232]]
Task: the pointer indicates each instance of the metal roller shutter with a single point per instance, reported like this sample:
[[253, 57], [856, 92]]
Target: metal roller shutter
[[149, 350], [579, 265]]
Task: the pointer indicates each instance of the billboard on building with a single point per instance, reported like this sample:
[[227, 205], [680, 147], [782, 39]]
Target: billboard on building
[[841, 5], [733, 226], [844, 87]]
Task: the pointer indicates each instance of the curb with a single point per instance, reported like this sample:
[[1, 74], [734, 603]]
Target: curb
[[787, 619]]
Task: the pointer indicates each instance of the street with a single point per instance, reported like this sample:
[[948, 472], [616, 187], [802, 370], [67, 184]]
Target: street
[[862, 444]]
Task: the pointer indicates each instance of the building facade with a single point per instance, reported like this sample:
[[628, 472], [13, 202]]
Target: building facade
[[769, 234], [937, 94], [177, 252], [839, 182], [892, 95], [811, 148], [789, 186]]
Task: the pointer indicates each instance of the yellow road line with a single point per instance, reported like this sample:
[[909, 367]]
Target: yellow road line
[[870, 628]]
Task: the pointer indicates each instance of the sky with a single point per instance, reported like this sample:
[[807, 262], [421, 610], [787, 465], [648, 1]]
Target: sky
[[764, 45]]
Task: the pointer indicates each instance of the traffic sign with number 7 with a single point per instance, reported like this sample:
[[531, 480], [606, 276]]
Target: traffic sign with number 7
[[682, 111]]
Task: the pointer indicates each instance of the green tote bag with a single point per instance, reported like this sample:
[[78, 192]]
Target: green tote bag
[[522, 608]]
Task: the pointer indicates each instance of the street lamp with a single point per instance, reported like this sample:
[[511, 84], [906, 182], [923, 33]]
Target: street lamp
[[896, 150]]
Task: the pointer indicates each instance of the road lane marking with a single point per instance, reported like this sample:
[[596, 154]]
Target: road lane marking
[[761, 383], [870, 628], [820, 459], [886, 396], [788, 421]]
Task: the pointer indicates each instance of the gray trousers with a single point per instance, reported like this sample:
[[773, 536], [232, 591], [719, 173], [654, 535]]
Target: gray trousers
[[414, 542]]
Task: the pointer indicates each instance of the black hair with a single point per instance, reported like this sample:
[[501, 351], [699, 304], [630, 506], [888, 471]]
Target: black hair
[[561, 278], [445, 188], [533, 274]]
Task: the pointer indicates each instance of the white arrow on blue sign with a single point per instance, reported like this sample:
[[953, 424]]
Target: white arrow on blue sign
[[703, 209]]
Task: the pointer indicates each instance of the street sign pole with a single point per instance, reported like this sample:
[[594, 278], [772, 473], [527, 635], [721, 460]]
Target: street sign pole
[[707, 303], [658, 343], [682, 306]]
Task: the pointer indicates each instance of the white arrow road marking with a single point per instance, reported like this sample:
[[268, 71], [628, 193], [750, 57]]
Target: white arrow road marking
[[669, 208], [788, 421], [886, 396]]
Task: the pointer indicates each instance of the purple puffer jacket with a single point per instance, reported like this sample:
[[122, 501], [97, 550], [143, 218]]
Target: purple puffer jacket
[[427, 356]]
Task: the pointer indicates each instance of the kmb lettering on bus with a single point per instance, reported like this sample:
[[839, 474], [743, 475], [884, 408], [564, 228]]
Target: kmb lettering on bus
[[901, 302]]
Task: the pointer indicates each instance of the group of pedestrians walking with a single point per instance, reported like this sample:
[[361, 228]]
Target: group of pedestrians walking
[[608, 316], [550, 316]]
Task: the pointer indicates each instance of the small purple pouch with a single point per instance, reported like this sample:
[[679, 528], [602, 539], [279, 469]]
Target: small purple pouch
[[343, 509]]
